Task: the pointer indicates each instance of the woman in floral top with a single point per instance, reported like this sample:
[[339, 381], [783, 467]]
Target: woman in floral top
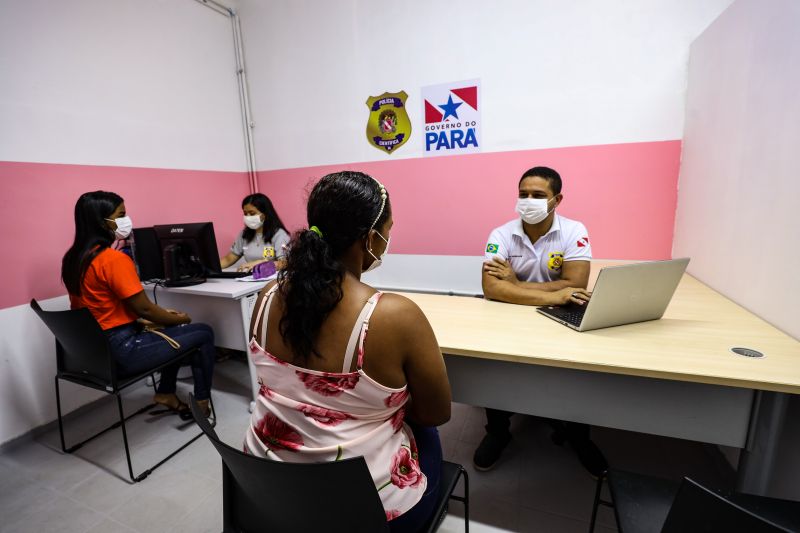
[[328, 393]]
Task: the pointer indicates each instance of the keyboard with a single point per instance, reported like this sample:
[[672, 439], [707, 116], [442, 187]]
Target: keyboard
[[227, 274], [571, 314]]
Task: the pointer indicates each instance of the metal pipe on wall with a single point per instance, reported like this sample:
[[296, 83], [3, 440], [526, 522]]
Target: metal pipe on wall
[[244, 96]]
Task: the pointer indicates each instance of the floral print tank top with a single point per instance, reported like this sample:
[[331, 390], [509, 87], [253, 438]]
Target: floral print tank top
[[304, 415]]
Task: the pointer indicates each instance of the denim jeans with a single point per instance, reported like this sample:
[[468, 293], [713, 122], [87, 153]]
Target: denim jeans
[[430, 462], [136, 351]]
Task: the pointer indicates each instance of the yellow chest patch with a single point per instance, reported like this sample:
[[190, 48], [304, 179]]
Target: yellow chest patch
[[555, 260]]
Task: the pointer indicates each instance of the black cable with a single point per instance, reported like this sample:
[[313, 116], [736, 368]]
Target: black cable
[[156, 283]]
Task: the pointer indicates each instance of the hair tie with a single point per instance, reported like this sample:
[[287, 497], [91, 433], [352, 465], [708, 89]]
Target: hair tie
[[316, 230]]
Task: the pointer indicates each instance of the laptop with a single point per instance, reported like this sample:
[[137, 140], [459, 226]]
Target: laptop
[[623, 294]]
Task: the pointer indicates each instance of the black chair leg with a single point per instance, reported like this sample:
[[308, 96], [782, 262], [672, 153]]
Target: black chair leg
[[78, 445], [121, 424], [150, 470], [466, 500], [60, 422], [213, 411], [74, 447], [125, 439], [596, 502]]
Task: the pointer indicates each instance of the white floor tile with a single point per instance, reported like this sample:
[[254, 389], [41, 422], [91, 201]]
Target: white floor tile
[[110, 526], [46, 514], [536, 486], [164, 500], [205, 517]]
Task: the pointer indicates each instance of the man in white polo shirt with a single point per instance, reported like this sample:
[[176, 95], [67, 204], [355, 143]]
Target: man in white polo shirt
[[540, 258]]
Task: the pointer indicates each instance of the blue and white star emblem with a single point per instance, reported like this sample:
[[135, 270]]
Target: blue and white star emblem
[[450, 108]]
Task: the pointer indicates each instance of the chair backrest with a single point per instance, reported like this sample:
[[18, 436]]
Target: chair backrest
[[697, 508], [264, 495], [82, 349]]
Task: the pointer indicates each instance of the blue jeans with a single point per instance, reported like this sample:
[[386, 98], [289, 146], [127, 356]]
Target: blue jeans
[[430, 462], [136, 351]]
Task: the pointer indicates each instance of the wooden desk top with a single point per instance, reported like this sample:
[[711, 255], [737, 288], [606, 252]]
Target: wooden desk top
[[691, 342]]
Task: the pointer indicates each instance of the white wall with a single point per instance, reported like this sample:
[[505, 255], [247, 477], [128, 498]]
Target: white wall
[[132, 83], [553, 73], [739, 188], [143, 83], [28, 394]]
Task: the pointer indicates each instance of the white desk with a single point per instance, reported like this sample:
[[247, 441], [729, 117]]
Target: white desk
[[224, 304]]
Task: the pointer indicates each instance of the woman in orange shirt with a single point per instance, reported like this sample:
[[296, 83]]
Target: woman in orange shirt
[[104, 280]]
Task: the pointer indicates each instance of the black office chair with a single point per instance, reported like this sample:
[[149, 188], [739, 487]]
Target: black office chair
[[83, 357], [649, 504], [263, 495]]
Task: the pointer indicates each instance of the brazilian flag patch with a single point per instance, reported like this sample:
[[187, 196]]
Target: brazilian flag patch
[[491, 248]]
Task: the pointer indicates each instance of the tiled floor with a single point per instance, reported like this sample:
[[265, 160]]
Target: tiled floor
[[537, 486]]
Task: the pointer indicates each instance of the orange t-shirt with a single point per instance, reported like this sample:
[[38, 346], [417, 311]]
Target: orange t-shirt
[[110, 279]]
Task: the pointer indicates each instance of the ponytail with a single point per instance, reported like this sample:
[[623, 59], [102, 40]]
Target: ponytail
[[311, 287], [342, 208]]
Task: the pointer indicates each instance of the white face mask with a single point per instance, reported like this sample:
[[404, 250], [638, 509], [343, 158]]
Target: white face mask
[[533, 210], [124, 227], [378, 260], [253, 221]]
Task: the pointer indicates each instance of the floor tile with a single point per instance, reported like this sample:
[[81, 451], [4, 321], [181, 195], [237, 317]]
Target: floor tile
[[47, 465], [105, 492], [108, 525], [23, 502], [205, 517], [164, 500], [536, 486], [45, 513], [455, 524], [12, 478], [533, 521]]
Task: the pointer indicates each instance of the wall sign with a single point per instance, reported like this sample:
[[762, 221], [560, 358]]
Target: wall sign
[[388, 125], [452, 118]]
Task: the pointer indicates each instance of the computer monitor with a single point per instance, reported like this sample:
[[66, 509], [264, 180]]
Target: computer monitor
[[187, 253], [147, 254]]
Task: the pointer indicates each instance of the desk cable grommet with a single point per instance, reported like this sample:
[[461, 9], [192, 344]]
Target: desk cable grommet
[[747, 352]]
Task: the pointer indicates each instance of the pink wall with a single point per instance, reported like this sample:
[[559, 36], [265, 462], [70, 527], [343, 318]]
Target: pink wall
[[36, 213], [625, 194]]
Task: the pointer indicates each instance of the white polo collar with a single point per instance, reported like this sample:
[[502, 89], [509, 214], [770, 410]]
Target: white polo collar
[[554, 227]]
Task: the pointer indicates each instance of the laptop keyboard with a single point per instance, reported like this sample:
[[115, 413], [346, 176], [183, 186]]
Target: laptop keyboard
[[570, 314]]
